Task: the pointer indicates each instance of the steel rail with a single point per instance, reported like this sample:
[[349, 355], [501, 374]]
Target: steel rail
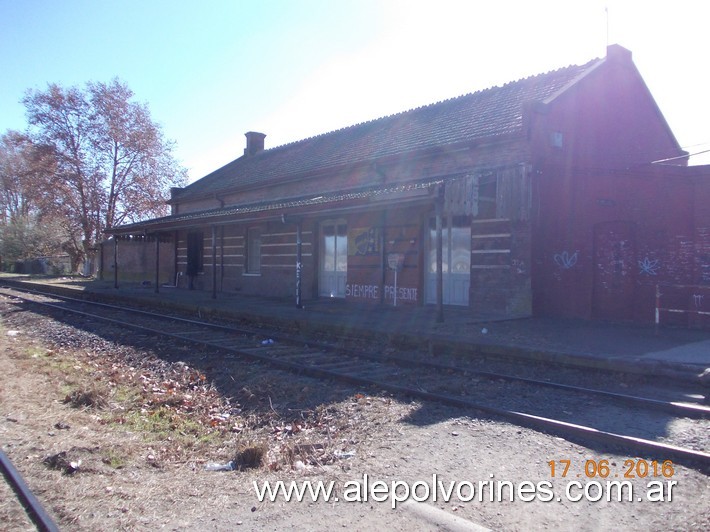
[[35, 510], [661, 450], [673, 407]]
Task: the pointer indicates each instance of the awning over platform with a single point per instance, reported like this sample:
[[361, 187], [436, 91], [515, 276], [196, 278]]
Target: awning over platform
[[340, 201]]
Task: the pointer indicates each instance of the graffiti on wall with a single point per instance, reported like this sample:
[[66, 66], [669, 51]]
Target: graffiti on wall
[[648, 266], [704, 268], [566, 261], [403, 293], [362, 291], [364, 241], [372, 291], [698, 300], [518, 266], [621, 251]]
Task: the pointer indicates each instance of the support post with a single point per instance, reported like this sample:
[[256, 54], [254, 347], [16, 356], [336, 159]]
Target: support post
[[221, 259], [115, 261], [157, 263], [175, 257], [439, 208], [214, 262], [299, 264], [395, 287], [658, 309], [382, 242], [101, 261]]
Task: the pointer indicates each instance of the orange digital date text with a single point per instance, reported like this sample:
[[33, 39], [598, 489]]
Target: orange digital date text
[[632, 468]]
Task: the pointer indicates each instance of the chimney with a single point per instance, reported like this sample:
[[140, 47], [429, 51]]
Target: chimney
[[174, 192], [255, 143], [614, 52]]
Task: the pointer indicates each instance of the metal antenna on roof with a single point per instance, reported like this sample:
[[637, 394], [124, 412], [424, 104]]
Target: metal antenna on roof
[[606, 11]]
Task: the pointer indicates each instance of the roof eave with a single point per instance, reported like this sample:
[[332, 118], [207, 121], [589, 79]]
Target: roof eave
[[423, 152], [269, 211]]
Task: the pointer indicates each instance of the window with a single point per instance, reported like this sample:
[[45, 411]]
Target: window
[[335, 248], [557, 139], [455, 244], [195, 253], [333, 273], [253, 259]]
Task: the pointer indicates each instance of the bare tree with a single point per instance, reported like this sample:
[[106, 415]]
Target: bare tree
[[26, 229], [21, 166], [112, 163]]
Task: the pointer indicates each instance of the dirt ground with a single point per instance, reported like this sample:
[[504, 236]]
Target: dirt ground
[[113, 437]]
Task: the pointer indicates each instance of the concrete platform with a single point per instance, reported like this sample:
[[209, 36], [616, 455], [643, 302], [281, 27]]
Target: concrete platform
[[671, 352]]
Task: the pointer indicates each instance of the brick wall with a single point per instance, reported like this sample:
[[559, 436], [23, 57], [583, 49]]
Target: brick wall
[[136, 261], [603, 241], [276, 276]]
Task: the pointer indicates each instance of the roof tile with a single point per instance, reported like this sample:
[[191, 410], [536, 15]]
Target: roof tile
[[486, 113]]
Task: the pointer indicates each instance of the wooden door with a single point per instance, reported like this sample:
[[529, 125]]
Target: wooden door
[[614, 270]]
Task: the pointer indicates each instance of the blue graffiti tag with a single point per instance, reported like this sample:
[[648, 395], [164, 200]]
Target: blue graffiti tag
[[648, 266], [565, 261]]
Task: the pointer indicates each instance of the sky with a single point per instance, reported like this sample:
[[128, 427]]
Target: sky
[[212, 70]]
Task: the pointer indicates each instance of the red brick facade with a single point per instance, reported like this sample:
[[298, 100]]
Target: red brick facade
[[542, 192], [613, 237]]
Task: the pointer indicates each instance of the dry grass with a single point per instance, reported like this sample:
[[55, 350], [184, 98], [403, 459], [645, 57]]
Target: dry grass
[[250, 457], [91, 397], [108, 435]]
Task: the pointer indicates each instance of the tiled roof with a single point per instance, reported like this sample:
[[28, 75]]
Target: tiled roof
[[487, 113]]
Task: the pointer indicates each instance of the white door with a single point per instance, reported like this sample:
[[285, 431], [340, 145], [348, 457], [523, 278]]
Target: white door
[[456, 260], [333, 259]]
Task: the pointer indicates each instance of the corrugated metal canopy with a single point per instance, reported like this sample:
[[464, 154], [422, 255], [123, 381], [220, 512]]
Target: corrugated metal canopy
[[276, 208]]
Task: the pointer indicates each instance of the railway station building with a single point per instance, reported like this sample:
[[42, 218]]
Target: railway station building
[[565, 193]]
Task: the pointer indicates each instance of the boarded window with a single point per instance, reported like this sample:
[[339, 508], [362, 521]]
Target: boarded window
[[491, 194], [488, 197]]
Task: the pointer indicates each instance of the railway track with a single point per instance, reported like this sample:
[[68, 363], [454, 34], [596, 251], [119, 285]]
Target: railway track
[[34, 509], [641, 424]]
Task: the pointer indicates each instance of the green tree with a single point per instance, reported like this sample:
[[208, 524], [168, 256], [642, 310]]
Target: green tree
[[112, 162]]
